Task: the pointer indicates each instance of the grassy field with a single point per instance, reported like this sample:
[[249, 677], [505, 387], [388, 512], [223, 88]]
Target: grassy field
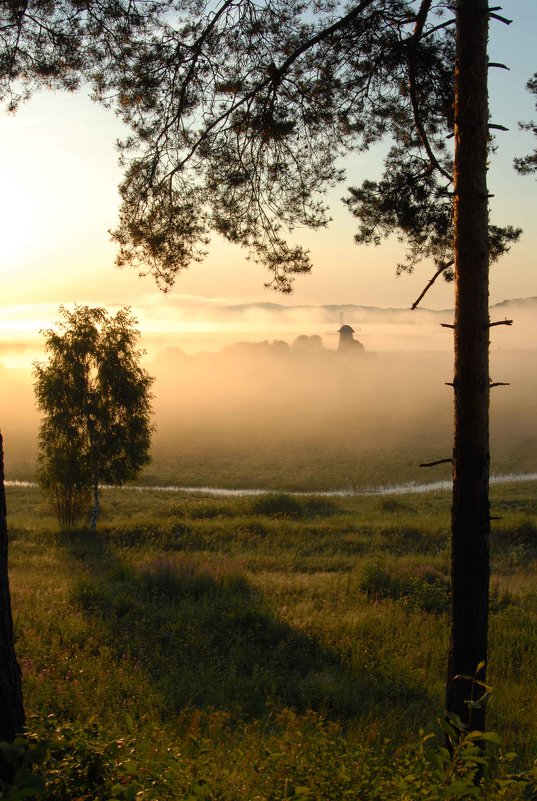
[[260, 648], [296, 424]]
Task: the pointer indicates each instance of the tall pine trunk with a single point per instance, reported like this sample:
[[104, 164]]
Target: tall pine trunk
[[470, 516], [11, 707]]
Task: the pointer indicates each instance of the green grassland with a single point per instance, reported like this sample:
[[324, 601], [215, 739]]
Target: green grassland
[[263, 647]]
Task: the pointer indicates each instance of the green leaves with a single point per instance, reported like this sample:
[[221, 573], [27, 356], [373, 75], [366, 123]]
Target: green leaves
[[96, 401]]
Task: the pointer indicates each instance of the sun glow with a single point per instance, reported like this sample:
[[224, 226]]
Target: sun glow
[[17, 216]]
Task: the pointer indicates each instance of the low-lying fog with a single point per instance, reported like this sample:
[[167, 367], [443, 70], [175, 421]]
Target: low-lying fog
[[304, 416]]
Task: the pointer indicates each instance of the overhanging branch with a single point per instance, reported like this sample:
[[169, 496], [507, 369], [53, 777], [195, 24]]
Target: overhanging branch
[[274, 78], [413, 42], [439, 272]]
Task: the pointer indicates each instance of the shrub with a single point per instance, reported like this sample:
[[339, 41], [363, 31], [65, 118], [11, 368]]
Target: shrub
[[378, 582], [278, 504], [304, 757], [429, 596], [395, 505], [520, 541], [418, 587], [317, 506]]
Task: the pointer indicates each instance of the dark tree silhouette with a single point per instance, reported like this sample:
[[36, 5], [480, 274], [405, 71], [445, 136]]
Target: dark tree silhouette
[[470, 516], [56, 44], [239, 116], [239, 112], [96, 402], [11, 706], [528, 164]]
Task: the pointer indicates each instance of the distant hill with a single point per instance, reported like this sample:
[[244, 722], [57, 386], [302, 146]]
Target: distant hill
[[379, 329]]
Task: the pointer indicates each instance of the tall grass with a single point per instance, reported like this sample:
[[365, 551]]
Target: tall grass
[[255, 636]]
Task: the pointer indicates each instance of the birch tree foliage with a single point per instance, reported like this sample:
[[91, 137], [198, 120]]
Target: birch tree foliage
[[96, 404]]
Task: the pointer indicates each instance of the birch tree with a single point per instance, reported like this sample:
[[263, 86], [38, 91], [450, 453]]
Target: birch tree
[[96, 404], [240, 113]]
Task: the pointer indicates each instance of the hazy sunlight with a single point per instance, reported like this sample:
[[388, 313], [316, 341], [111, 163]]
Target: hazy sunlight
[[17, 216]]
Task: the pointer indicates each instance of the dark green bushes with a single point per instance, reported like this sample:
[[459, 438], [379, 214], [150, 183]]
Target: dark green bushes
[[281, 504], [418, 587]]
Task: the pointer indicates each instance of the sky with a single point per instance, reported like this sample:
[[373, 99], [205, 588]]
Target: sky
[[59, 176]]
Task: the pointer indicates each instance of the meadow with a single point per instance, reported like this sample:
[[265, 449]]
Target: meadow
[[252, 417], [266, 647]]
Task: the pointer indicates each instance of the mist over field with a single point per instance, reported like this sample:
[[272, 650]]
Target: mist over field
[[251, 417], [198, 324], [288, 413]]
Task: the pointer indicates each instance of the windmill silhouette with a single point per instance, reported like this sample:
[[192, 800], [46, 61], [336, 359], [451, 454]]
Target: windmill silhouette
[[346, 335]]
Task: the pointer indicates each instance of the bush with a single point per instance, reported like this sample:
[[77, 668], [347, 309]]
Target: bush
[[278, 504], [379, 582], [303, 757], [418, 587], [429, 596], [394, 505], [520, 541]]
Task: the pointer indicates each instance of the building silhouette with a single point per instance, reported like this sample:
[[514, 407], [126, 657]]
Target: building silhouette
[[347, 342]]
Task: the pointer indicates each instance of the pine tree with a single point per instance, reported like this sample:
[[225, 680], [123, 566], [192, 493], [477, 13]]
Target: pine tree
[[239, 115]]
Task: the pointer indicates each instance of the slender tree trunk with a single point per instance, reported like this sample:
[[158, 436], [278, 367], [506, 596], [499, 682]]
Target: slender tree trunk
[[11, 706], [470, 517], [96, 508]]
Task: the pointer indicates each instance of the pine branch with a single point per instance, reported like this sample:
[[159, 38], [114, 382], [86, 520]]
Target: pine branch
[[413, 43], [440, 270], [274, 78]]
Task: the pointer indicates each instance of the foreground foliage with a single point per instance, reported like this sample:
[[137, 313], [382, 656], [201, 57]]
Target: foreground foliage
[[296, 759], [264, 648]]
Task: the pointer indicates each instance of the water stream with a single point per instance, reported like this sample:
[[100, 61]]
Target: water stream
[[396, 489]]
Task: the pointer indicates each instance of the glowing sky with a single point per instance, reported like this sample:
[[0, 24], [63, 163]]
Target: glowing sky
[[59, 177]]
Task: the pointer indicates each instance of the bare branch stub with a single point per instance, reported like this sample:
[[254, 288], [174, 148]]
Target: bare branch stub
[[500, 18], [438, 461], [499, 384], [501, 322], [447, 325]]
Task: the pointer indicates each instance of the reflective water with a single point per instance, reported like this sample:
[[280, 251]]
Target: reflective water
[[396, 489]]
